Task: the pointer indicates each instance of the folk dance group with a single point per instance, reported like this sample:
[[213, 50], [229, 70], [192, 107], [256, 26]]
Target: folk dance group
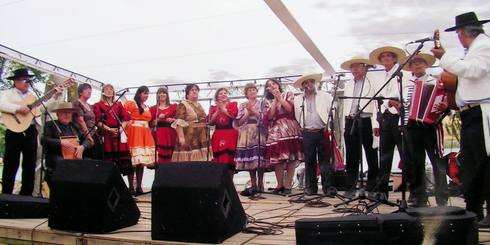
[[279, 131]]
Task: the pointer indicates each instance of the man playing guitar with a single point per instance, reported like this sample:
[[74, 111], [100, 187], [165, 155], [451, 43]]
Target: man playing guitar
[[24, 142], [473, 100]]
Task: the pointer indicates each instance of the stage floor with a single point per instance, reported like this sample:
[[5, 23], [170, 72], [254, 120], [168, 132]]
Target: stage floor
[[268, 209]]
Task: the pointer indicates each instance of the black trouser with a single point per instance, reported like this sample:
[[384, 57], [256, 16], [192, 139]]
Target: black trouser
[[474, 161], [390, 137], [421, 139], [16, 143], [362, 131], [314, 145]]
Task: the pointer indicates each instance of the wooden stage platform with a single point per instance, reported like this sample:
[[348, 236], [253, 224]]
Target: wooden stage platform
[[270, 208]]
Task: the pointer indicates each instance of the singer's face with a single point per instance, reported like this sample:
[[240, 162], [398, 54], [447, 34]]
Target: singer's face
[[418, 66], [251, 93], [223, 96], [193, 94], [387, 59], [64, 116], [309, 85], [108, 91], [162, 96], [86, 93], [144, 96], [358, 70], [272, 85], [21, 84]]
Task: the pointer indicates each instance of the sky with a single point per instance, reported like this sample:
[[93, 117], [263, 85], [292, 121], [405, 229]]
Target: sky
[[145, 42]]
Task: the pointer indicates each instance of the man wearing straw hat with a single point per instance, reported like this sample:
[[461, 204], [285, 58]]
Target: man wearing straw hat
[[311, 111], [473, 100], [361, 85], [390, 136], [422, 138], [56, 129]]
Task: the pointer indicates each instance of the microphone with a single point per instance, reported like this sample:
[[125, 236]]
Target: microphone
[[369, 66], [423, 40], [125, 91]]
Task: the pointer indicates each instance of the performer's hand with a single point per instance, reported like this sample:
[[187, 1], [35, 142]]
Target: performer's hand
[[222, 107], [23, 110], [395, 103], [181, 141], [441, 106], [58, 90], [170, 120], [438, 52], [161, 116], [79, 152], [376, 132]]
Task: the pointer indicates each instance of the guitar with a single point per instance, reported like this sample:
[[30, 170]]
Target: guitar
[[448, 80], [18, 122]]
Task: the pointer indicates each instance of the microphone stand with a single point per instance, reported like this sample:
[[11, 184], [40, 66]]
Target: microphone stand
[[155, 128], [331, 125], [43, 155], [119, 124], [402, 206], [356, 120], [113, 114]]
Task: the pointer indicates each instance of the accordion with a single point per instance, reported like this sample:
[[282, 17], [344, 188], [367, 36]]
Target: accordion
[[423, 99]]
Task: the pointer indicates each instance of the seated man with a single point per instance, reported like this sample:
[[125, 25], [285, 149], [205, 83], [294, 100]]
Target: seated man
[[56, 146]]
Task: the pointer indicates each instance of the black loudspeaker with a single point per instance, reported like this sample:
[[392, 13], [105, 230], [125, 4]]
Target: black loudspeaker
[[195, 202], [440, 226], [23, 207], [90, 196], [447, 225], [398, 228]]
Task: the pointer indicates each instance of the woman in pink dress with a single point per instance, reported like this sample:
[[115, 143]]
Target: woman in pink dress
[[284, 146]]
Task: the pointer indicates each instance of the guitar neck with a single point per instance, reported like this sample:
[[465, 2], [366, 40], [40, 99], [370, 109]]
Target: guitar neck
[[44, 98]]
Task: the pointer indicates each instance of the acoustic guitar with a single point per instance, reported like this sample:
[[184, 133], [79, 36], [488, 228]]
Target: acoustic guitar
[[18, 122], [449, 80]]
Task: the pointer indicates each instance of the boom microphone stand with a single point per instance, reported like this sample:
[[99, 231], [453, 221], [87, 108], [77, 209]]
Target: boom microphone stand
[[357, 121], [402, 206]]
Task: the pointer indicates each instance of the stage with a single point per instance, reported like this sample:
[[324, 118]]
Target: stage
[[268, 208]]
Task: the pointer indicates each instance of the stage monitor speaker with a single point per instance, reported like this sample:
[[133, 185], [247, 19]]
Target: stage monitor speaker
[[447, 225], [90, 196], [195, 202], [397, 228], [23, 207]]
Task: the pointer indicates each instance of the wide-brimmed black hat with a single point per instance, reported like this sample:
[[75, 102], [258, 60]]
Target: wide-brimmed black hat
[[22, 72], [465, 20]]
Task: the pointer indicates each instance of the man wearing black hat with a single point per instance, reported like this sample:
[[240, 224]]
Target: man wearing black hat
[[24, 142], [473, 100]]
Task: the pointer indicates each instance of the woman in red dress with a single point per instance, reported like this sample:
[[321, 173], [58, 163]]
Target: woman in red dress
[[162, 116], [225, 137], [112, 118]]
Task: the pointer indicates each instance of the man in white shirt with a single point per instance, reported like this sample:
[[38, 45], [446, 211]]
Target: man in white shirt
[[311, 111], [390, 136], [362, 135], [17, 143], [473, 100], [422, 138]]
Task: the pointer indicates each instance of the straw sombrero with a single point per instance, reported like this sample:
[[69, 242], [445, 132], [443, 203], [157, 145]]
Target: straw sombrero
[[317, 77], [429, 59], [354, 60], [374, 55], [63, 106]]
